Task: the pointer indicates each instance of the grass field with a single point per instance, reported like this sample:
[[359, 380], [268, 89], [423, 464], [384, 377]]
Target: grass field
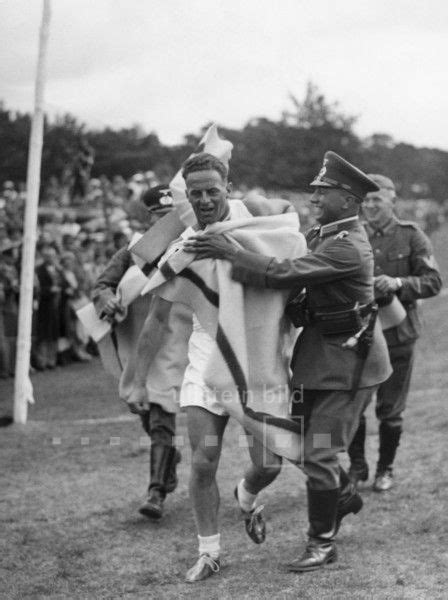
[[73, 477]]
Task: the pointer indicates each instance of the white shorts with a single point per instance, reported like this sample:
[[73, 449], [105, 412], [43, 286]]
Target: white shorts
[[195, 394]]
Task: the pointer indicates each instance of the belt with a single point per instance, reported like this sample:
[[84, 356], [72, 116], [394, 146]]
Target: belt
[[320, 315]]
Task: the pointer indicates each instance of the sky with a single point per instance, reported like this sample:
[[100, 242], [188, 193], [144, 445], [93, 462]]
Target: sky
[[172, 66]]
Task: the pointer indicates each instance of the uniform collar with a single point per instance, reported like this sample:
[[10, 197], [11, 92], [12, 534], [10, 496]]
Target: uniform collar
[[386, 230], [336, 226]]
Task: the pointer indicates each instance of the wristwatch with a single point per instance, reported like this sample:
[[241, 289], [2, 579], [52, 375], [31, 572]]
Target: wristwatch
[[399, 282]]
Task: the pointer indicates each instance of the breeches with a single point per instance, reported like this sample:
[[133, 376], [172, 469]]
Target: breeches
[[159, 424], [330, 419], [393, 393]]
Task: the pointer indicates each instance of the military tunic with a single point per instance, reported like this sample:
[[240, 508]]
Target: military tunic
[[338, 270], [401, 249], [158, 423]]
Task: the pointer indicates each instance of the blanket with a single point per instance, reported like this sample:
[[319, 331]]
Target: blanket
[[117, 344], [249, 368]]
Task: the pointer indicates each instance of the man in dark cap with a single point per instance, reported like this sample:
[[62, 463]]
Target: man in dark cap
[[158, 423], [405, 271], [340, 356]]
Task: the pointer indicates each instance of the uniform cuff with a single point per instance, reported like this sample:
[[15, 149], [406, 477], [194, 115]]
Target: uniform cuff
[[100, 300], [249, 267]]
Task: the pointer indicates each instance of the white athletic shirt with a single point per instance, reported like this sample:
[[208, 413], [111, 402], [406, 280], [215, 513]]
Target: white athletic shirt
[[201, 345]]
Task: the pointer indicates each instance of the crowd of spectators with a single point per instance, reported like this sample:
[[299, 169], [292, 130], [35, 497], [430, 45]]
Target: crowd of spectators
[[74, 243], [76, 237]]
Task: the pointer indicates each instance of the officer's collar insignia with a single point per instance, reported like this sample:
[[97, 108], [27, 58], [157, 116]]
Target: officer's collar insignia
[[338, 227], [312, 233], [341, 235]]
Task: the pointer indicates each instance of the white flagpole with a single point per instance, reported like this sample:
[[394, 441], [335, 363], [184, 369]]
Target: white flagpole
[[23, 391]]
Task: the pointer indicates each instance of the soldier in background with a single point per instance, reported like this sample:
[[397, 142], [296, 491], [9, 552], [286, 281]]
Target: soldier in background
[[405, 268], [158, 422]]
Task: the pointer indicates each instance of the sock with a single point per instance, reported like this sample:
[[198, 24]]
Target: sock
[[210, 544], [246, 500]]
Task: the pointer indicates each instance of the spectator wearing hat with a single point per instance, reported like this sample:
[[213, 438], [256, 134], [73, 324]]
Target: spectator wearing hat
[[49, 308], [341, 355], [158, 423], [73, 346], [405, 269]]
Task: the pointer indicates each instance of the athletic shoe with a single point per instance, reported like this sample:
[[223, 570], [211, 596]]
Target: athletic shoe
[[254, 521], [205, 567]]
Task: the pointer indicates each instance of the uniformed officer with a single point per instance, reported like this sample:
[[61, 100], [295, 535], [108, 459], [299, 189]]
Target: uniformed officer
[[334, 369], [405, 269], [158, 423]]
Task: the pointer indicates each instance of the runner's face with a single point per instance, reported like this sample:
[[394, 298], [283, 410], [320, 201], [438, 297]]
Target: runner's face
[[208, 196]]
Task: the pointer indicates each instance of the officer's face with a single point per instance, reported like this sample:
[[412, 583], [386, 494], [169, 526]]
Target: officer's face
[[378, 208], [208, 196], [329, 204]]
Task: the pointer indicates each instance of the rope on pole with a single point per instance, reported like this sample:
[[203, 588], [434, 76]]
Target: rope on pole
[[23, 390]]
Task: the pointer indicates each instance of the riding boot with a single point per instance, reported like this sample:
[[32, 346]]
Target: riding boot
[[389, 442], [349, 499], [171, 480], [359, 469], [161, 461], [321, 548]]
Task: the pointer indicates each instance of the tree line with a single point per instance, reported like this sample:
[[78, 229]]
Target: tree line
[[283, 154]]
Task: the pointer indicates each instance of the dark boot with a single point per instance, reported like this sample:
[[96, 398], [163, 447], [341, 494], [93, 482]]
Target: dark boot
[[162, 459], [359, 469], [171, 476], [350, 500], [320, 549], [153, 507], [389, 442]]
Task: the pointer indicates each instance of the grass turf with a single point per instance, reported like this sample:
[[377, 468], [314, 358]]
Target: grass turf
[[73, 477]]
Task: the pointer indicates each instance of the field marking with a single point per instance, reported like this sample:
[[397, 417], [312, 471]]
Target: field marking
[[132, 418], [99, 421], [426, 392]]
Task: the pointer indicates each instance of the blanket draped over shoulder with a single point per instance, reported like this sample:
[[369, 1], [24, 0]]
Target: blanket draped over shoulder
[[249, 366], [117, 344]]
